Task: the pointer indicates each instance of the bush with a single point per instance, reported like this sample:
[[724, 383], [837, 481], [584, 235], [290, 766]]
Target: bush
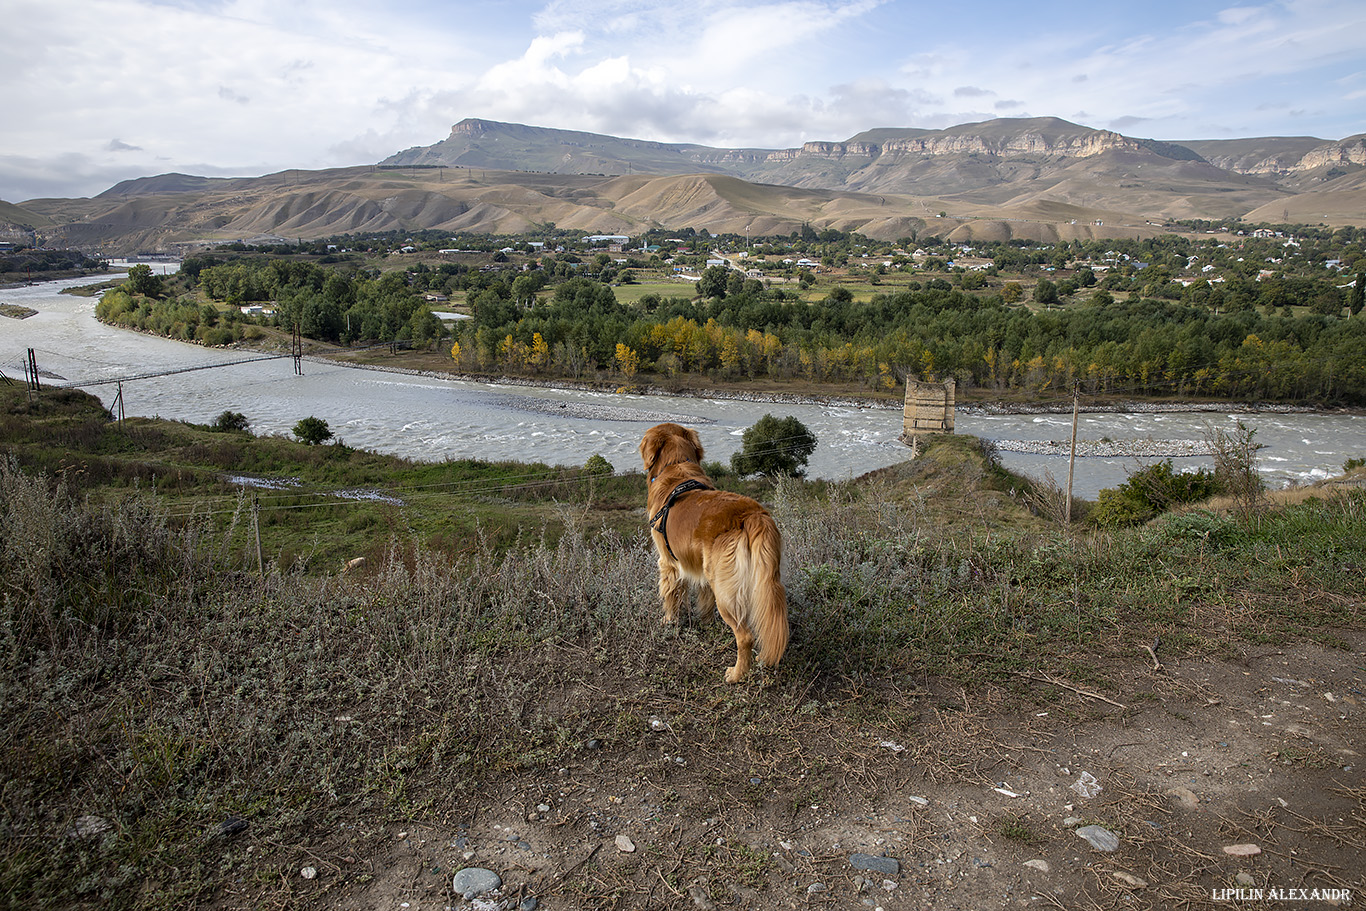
[[313, 431], [230, 421], [774, 446], [597, 465], [1235, 464], [1150, 492]]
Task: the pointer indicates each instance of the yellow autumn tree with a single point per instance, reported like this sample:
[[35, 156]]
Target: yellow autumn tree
[[628, 361], [511, 352], [730, 352], [539, 353]]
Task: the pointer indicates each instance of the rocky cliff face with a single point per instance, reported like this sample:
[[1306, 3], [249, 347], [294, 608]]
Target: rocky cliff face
[[1028, 143], [1000, 140], [1298, 156], [1351, 150]]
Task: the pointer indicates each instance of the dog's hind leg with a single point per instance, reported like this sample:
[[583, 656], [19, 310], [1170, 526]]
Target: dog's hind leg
[[705, 607], [673, 588], [744, 639]]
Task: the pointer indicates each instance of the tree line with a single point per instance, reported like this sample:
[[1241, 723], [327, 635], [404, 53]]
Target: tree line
[[540, 322], [1135, 347]]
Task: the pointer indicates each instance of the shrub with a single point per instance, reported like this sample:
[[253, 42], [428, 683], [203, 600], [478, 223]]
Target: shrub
[[1235, 464], [1150, 492], [774, 446], [312, 431], [230, 421], [597, 465]]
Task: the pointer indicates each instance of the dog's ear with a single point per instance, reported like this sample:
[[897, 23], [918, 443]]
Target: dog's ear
[[696, 442], [650, 444]]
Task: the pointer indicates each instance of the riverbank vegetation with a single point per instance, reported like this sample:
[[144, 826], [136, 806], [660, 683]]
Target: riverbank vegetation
[[1265, 318], [193, 720], [22, 266]]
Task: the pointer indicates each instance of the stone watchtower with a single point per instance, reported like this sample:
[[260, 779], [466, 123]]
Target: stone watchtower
[[929, 409]]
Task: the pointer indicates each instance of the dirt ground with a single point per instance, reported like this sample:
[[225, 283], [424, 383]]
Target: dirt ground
[[1228, 785]]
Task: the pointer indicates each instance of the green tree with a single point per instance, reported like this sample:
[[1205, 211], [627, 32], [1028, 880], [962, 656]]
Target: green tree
[[1045, 292], [1358, 297], [774, 446], [713, 282], [312, 431], [141, 280], [597, 465], [230, 421]]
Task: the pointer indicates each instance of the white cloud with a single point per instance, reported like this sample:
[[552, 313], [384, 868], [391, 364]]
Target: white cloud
[[252, 85]]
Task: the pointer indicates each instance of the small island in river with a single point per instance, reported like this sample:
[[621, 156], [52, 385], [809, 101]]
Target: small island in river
[[14, 311]]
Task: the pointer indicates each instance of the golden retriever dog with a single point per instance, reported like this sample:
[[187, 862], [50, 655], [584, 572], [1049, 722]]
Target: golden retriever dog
[[723, 544]]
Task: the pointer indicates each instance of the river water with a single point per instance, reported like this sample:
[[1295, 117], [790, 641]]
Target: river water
[[433, 419]]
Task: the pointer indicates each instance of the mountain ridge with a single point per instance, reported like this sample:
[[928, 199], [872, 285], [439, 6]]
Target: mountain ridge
[[1042, 179]]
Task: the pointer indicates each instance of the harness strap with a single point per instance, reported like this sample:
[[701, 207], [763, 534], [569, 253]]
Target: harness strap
[[660, 521]]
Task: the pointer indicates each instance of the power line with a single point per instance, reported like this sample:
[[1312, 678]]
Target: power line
[[171, 372]]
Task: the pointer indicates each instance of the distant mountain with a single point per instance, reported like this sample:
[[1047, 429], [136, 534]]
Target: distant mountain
[[995, 162], [164, 183], [884, 160], [1038, 178], [477, 143], [1281, 154]]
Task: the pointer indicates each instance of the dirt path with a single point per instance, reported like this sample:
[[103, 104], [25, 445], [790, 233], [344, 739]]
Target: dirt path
[[976, 804]]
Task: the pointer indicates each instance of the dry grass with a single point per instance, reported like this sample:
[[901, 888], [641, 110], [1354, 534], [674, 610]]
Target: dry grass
[[159, 689]]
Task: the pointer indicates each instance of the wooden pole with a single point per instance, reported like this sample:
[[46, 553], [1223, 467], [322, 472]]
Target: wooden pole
[[1072, 457], [256, 524], [31, 372]]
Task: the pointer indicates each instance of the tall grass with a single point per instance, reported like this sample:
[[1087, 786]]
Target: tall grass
[[156, 689]]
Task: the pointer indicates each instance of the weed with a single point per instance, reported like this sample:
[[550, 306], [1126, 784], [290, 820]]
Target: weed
[[1015, 827], [155, 680]]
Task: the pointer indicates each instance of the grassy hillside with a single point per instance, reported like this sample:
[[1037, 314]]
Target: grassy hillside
[[185, 731]]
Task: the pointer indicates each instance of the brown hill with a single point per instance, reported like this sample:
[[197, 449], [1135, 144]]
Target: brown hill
[[1040, 178]]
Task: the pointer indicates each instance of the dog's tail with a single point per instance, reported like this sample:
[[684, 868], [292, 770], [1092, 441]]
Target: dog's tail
[[767, 596]]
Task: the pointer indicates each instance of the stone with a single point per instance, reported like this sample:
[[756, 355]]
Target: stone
[[887, 866], [471, 882], [1185, 797], [1242, 850], [230, 827], [625, 845], [700, 899], [1130, 879], [1099, 837], [1038, 864], [89, 826], [309, 872]]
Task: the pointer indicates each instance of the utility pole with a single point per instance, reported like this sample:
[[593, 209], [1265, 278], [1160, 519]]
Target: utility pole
[[117, 411], [31, 374], [1072, 457], [256, 524]]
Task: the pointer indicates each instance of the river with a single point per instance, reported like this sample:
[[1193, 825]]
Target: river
[[432, 419]]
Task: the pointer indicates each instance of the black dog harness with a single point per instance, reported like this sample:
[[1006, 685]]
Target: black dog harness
[[659, 522]]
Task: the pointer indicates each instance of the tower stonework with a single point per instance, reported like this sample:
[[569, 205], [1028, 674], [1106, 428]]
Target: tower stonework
[[929, 409]]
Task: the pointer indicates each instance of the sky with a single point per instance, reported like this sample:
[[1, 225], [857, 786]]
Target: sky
[[99, 91]]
